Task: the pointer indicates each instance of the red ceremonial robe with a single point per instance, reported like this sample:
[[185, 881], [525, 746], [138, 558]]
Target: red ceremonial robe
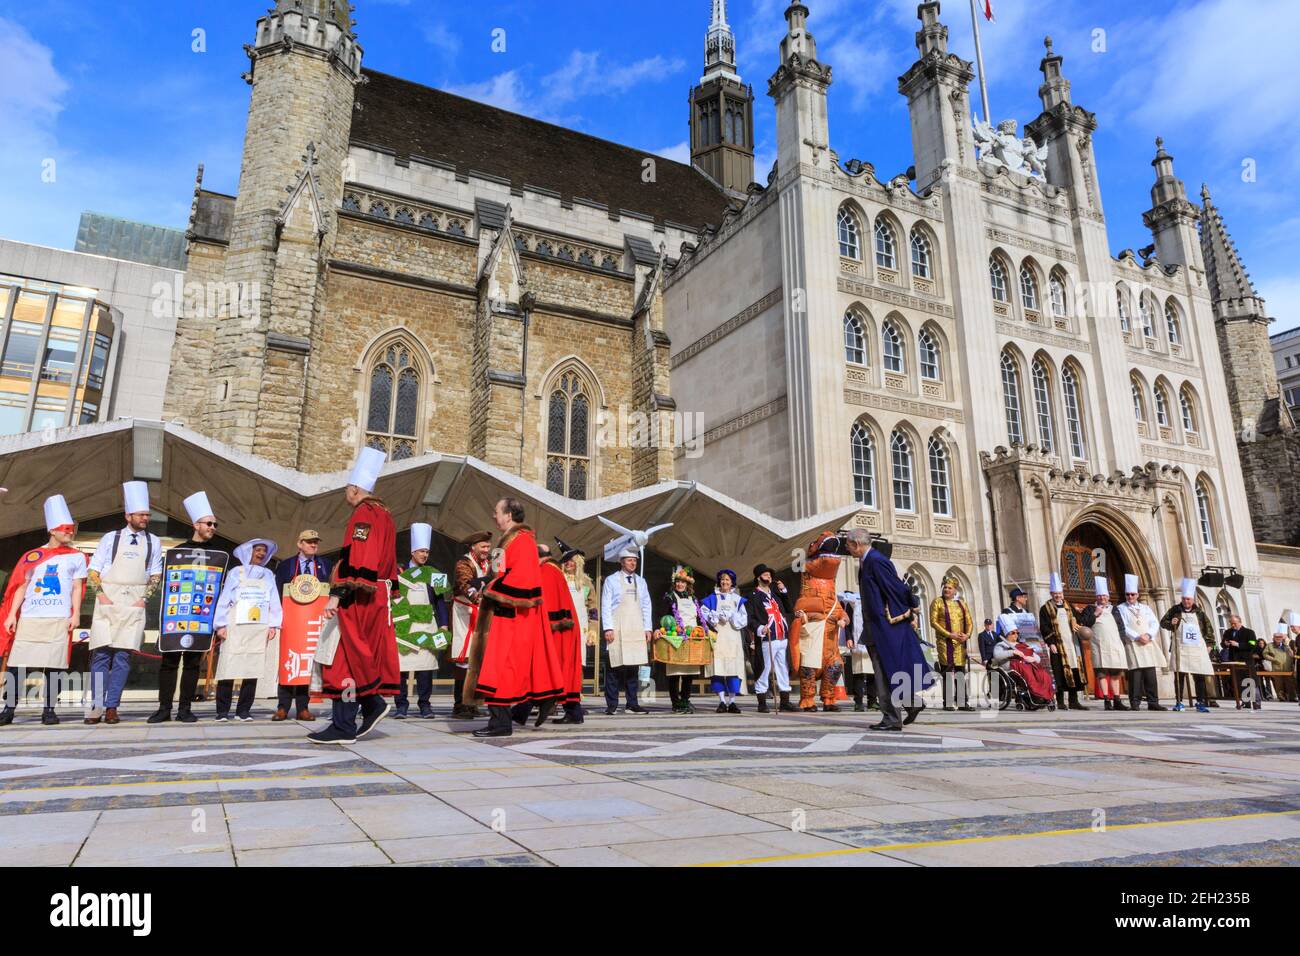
[[558, 601], [1037, 676], [513, 659], [366, 660], [17, 587]]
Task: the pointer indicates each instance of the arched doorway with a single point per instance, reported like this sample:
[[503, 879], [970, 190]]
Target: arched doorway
[[1090, 552]]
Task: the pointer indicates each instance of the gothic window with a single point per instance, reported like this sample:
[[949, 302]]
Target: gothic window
[[586, 258], [1057, 289], [900, 454], [928, 352], [922, 267], [863, 456], [1139, 406], [1043, 406], [1011, 399], [886, 246], [609, 264], [1172, 325], [1121, 303], [404, 215], [430, 221], [1223, 612], [568, 438], [1162, 407], [1074, 414], [855, 341], [1203, 514], [351, 203], [1028, 289], [850, 246], [892, 349], [940, 487], [521, 244], [379, 209], [998, 279], [544, 249], [394, 401], [565, 253], [922, 619], [1189, 412], [455, 227], [1147, 308]]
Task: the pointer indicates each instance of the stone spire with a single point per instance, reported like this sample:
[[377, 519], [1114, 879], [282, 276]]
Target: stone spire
[[1230, 285], [1056, 88], [1171, 218], [719, 46], [722, 112]]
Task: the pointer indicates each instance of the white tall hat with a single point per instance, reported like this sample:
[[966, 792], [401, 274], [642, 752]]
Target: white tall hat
[[366, 470], [1008, 622], [135, 496], [421, 536], [197, 506], [1279, 628], [1101, 586], [1054, 583], [1294, 618], [1188, 588], [1130, 584], [56, 513]]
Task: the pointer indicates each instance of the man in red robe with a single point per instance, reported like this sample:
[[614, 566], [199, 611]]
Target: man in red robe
[[561, 622], [364, 669], [512, 659]]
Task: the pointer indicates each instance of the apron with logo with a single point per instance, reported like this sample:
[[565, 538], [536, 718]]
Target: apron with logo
[[1069, 650], [119, 625], [1107, 646], [686, 611], [244, 651], [1142, 655], [412, 657], [1191, 655], [628, 647], [41, 642], [728, 647]]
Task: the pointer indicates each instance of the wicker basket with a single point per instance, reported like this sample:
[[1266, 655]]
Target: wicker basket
[[696, 651]]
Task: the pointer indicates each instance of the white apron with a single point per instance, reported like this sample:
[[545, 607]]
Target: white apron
[[1190, 653], [689, 621], [243, 652], [1143, 655], [810, 644], [628, 648], [119, 624], [420, 659], [728, 647], [860, 659], [1107, 646], [40, 642], [579, 598], [460, 614]]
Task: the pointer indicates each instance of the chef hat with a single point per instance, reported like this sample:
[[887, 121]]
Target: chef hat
[[1130, 584], [629, 552], [57, 514], [421, 536], [135, 496], [1294, 618], [1188, 588], [1007, 624], [366, 470], [1279, 629], [1101, 587], [1054, 583], [197, 506]]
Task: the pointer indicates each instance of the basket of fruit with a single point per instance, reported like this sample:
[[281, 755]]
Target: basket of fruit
[[674, 645]]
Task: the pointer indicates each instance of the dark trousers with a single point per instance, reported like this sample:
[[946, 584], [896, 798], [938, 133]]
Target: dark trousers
[[51, 682], [499, 718], [1251, 692], [226, 690], [344, 716], [956, 689], [679, 689], [864, 685], [1142, 685], [1062, 682], [292, 697], [1198, 681], [621, 679], [889, 715], [423, 689], [189, 674]]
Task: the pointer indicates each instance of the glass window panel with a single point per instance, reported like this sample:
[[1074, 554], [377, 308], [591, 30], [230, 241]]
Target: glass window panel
[[555, 475], [864, 465], [578, 426], [555, 419], [381, 399], [408, 403], [578, 480], [12, 416]]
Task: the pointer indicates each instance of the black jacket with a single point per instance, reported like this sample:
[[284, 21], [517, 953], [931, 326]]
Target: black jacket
[[1246, 644], [756, 611], [287, 570]]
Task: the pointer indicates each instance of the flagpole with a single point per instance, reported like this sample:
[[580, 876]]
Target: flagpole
[[979, 60]]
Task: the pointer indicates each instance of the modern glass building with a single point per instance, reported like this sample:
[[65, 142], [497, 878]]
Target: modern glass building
[[57, 344]]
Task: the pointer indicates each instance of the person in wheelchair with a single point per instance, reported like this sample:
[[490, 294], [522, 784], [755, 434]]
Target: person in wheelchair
[[1023, 676]]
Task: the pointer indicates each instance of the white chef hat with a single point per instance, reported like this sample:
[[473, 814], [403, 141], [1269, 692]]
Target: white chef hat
[[1294, 618], [1007, 623], [1130, 584], [135, 496], [197, 506], [366, 470], [57, 514], [1279, 629], [1101, 587], [1054, 583], [421, 536], [1188, 588]]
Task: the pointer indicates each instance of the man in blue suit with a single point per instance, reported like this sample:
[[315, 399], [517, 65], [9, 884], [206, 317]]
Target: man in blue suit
[[888, 608]]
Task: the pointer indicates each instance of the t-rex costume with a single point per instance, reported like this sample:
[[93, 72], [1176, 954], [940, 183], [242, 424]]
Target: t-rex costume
[[814, 643]]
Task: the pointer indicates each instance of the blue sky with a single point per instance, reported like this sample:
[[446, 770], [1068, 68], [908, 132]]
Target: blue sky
[[117, 97]]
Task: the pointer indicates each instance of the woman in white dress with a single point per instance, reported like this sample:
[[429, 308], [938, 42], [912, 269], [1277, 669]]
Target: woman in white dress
[[723, 612], [247, 621]]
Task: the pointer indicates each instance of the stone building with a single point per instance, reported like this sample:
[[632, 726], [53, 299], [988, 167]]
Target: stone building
[[957, 349]]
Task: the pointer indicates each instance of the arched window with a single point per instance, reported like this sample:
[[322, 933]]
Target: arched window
[[850, 245], [568, 438], [1172, 325], [1073, 414], [1057, 289], [855, 340], [886, 245], [1162, 407], [394, 401], [1147, 307], [922, 619], [1121, 304], [1139, 406], [1011, 399], [544, 249], [900, 454], [1028, 288], [404, 216], [1203, 514], [892, 347], [998, 279], [928, 353], [1189, 412], [1222, 612], [1043, 405], [940, 486], [863, 455], [922, 266]]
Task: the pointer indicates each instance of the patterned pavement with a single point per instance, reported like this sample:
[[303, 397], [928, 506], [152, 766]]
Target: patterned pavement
[[954, 789]]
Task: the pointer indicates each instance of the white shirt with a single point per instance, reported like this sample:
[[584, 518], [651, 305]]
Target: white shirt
[[102, 559], [50, 585]]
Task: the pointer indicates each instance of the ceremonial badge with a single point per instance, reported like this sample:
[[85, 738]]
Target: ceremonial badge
[[306, 588], [361, 532]]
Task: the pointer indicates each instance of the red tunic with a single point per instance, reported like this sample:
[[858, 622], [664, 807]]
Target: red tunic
[[516, 658], [558, 601], [366, 660]]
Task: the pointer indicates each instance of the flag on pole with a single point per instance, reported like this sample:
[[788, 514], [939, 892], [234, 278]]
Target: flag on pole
[[988, 9]]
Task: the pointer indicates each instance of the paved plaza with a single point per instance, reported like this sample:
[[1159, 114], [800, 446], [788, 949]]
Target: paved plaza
[[1021, 789]]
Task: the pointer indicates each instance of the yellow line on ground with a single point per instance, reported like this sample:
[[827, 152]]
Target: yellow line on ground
[[847, 851]]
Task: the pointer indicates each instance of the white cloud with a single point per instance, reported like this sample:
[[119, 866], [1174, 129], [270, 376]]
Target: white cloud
[[1281, 294], [441, 39], [680, 153]]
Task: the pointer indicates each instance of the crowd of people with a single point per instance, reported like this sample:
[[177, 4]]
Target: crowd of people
[[515, 618]]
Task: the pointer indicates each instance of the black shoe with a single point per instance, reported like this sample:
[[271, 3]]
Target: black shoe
[[611, 711], [858, 708], [331, 735], [786, 706], [967, 709], [732, 708], [160, 716], [399, 713], [912, 713], [1107, 703], [949, 707], [6, 717], [186, 716], [1075, 705], [1155, 707], [762, 704], [492, 732], [377, 714], [884, 726], [830, 708], [722, 708], [637, 710], [568, 719], [1117, 704], [426, 711], [544, 711], [688, 708], [1211, 703], [49, 717]]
